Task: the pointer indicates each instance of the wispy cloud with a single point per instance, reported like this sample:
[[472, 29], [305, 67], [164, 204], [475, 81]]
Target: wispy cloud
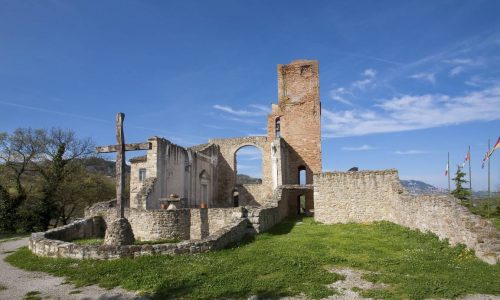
[[340, 94], [410, 152], [257, 110], [456, 70], [360, 148], [430, 77], [412, 112]]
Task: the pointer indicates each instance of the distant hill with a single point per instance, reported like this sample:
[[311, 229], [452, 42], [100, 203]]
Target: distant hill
[[102, 166], [420, 187], [244, 179]]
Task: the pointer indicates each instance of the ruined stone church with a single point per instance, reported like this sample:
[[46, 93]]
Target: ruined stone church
[[205, 175], [191, 194]]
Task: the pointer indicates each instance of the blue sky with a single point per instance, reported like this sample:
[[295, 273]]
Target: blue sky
[[402, 82]]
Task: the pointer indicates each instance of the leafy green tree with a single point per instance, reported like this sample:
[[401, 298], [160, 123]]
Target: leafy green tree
[[460, 192]]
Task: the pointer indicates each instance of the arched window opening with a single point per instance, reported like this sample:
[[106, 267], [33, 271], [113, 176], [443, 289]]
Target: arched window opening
[[302, 175], [248, 165], [277, 128], [204, 186]]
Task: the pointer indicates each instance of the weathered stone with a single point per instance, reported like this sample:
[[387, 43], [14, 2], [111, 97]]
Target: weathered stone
[[119, 232]]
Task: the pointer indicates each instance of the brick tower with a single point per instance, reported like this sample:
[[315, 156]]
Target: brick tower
[[297, 119]]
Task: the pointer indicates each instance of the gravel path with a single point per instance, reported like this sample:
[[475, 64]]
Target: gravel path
[[19, 282]]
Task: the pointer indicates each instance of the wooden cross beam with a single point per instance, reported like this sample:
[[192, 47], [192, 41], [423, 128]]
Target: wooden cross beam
[[120, 149]]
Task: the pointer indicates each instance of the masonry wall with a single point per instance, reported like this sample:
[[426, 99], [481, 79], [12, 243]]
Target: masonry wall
[[299, 111], [204, 221], [171, 169], [365, 196], [226, 168], [368, 196]]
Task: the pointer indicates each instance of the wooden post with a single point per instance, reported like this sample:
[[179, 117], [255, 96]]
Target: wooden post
[[120, 149], [120, 165]]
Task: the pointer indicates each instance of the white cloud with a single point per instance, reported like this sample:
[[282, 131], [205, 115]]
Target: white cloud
[[370, 73], [431, 77], [410, 112], [411, 152], [464, 61], [360, 148], [456, 70], [338, 95], [258, 110]]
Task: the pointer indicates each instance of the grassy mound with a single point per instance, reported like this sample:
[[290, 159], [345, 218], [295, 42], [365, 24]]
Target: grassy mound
[[293, 258]]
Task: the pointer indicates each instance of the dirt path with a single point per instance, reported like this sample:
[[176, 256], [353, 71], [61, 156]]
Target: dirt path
[[18, 282]]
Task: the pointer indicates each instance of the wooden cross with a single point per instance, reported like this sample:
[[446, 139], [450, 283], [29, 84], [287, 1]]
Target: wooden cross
[[120, 149]]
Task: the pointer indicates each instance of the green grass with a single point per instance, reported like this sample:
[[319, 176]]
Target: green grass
[[2, 287], [289, 260], [97, 242], [33, 295]]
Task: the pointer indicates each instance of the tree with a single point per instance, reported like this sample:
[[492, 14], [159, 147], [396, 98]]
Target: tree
[[62, 150], [460, 192], [17, 153]]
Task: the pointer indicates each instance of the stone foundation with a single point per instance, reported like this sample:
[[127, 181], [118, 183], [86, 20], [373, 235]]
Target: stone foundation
[[41, 244]]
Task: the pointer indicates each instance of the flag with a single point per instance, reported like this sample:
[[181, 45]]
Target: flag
[[446, 170], [497, 146], [467, 158], [485, 159]]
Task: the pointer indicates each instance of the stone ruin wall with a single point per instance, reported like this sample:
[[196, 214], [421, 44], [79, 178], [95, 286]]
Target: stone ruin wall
[[226, 168], [369, 196], [171, 169], [46, 244], [183, 224]]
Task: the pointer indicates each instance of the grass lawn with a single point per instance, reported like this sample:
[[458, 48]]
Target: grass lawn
[[293, 258]]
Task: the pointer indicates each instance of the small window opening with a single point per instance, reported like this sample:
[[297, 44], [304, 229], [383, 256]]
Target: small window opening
[[278, 128], [235, 198], [142, 174], [302, 175]]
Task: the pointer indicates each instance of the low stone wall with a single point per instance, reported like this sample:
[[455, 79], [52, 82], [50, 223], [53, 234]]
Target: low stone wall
[[368, 196], [94, 227], [149, 225], [42, 245]]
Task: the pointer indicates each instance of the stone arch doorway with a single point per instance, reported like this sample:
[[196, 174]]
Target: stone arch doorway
[[248, 162], [205, 189]]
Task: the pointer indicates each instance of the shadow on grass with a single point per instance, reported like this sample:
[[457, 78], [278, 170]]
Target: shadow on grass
[[285, 226]]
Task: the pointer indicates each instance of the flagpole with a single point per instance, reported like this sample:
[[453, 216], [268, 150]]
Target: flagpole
[[448, 166], [489, 191], [470, 175]]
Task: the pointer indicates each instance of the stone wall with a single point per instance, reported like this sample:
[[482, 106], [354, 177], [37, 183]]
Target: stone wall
[[364, 196], [226, 168], [206, 221], [368, 196], [252, 194], [150, 225], [42, 245]]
